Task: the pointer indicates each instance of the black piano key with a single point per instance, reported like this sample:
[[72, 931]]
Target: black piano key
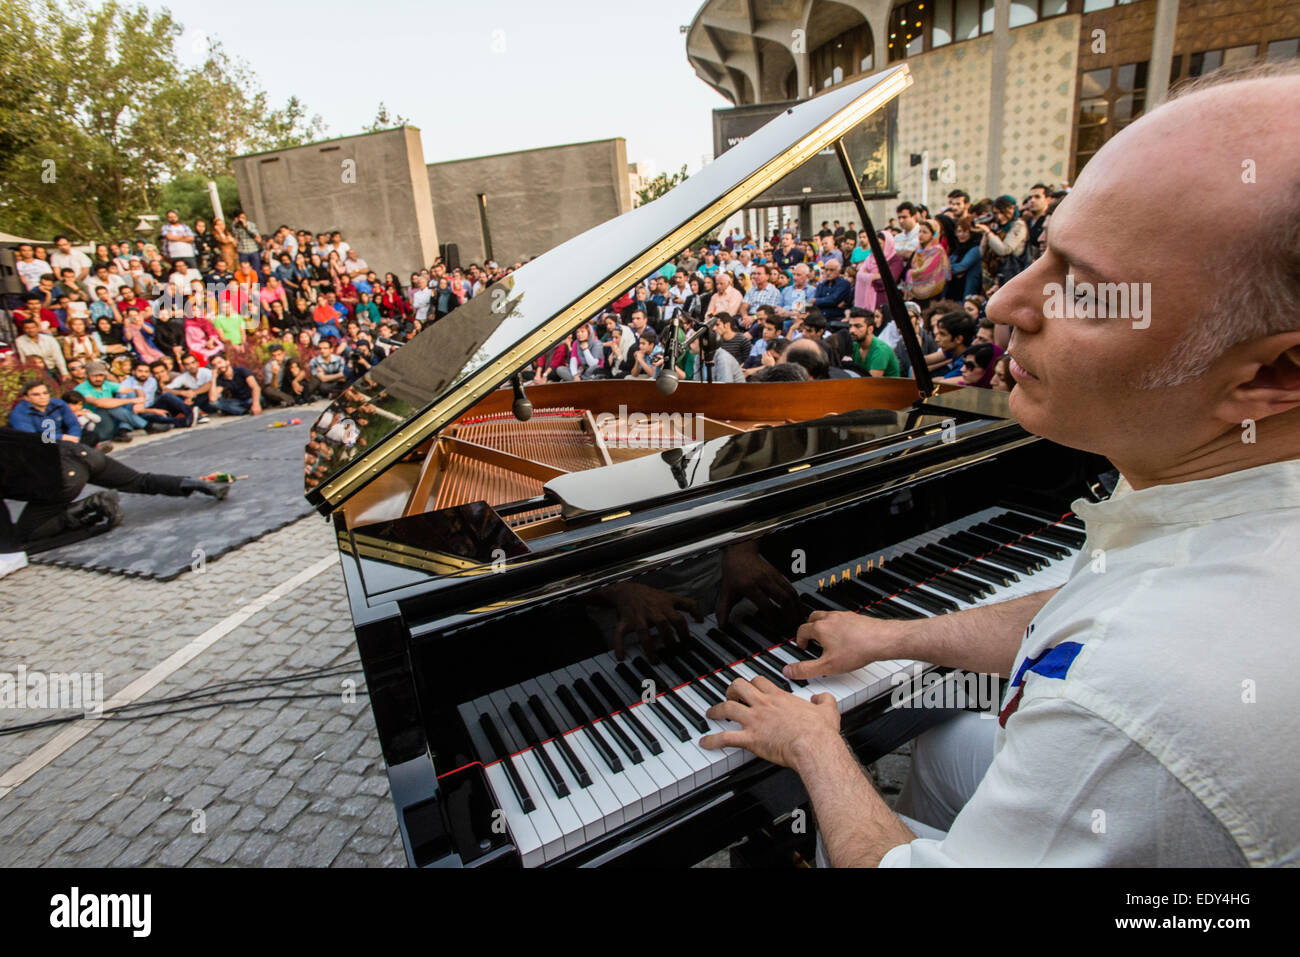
[[698, 670], [1037, 534], [760, 649], [757, 664], [705, 663], [1062, 515], [689, 677], [874, 600], [969, 566], [1067, 537], [656, 703], [938, 578], [593, 734], [766, 627], [816, 602], [1008, 537], [552, 731], [790, 648], [988, 550], [571, 704], [619, 735], [631, 680], [909, 592], [973, 587], [674, 698], [552, 773], [603, 749], [771, 670], [512, 773], [640, 730]]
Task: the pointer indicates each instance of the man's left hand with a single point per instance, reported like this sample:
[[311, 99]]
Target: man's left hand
[[256, 408], [775, 725]]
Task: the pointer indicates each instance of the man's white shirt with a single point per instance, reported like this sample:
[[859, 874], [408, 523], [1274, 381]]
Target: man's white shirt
[[1152, 721], [31, 272], [907, 242]]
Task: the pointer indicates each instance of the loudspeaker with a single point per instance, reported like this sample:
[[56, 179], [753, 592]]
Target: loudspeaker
[[450, 253]]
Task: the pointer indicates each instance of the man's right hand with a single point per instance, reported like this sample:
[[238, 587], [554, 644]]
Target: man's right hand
[[849, 641]]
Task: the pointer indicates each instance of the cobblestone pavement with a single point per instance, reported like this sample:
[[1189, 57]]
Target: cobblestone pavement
[[280, 782], [277, 782]]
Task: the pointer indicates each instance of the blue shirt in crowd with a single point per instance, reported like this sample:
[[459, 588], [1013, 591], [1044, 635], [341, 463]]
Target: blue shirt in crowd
[[25, 417]]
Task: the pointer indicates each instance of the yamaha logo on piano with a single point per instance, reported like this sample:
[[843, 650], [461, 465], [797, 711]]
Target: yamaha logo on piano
[[853, 572]]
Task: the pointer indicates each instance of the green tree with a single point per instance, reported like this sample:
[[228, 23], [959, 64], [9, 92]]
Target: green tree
[[660, 185], [188, 195], [98, 114], [384, 120]]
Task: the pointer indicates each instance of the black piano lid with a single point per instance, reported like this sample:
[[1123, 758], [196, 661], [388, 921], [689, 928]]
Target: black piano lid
[[453, 363]]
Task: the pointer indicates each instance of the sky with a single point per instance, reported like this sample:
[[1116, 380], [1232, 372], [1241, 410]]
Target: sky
[[477, 77]]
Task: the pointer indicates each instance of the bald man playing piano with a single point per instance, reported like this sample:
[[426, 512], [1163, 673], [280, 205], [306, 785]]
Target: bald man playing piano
[[1149, 716]]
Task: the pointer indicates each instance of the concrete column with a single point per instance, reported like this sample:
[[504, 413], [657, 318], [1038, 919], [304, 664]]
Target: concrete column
[[1162, 52], [997, 95]]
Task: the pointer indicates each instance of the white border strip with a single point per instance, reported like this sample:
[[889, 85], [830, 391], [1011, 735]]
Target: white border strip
[[73, 733]]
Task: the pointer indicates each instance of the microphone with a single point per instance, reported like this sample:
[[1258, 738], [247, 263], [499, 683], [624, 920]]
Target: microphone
[[522, 408], [666, 381]]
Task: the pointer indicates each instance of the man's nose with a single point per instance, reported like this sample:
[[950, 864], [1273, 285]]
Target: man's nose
[[1019, 303]]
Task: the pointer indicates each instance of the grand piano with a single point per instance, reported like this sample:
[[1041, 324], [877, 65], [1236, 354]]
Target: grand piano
[[550, 587]]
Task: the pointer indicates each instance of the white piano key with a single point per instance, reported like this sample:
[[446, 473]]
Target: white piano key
[[613, 802], [639, 775], [518, 824], [555, 820], [676, 767], [583, 804]]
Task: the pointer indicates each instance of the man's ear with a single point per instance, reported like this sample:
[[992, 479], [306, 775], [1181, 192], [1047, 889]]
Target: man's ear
[[1263, 376]]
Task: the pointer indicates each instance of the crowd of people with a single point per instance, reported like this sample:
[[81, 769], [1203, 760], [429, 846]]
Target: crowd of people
[[228, 320], [150, 336], [791, 307]]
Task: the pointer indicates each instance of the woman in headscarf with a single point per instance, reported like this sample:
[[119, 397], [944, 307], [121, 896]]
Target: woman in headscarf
[[201, 336], [444, 298], [964, 258], [979, 364], [1002, 244], [139, 336], [929, 269], [869, 288]]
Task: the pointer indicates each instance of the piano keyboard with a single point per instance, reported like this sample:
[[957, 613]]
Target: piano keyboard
[[576, 753]]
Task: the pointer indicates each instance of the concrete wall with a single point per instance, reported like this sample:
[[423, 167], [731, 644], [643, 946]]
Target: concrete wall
[[535, 199], [372, 187]]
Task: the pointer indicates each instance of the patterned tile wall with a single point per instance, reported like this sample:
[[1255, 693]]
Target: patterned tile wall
[[946, 111], [1039, 110], [947, 108]]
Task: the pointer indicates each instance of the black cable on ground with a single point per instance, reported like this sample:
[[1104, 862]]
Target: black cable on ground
[[123, 712]]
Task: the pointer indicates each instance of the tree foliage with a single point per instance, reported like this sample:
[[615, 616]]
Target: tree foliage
[[660, 185], [384, 120], [99, 112]]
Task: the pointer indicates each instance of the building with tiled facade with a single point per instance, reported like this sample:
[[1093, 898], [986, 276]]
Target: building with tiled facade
[[1007, 93]]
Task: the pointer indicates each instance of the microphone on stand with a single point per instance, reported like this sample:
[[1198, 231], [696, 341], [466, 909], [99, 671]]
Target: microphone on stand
[[522, 408], [666, 381]]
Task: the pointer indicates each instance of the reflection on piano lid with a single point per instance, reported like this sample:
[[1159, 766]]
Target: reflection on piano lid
[[423, 386]]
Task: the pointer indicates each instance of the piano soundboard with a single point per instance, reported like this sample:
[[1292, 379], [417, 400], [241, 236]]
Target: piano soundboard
[[576, 753]]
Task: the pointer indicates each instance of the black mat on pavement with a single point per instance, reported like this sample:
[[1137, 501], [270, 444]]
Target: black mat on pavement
[[161, 534]]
